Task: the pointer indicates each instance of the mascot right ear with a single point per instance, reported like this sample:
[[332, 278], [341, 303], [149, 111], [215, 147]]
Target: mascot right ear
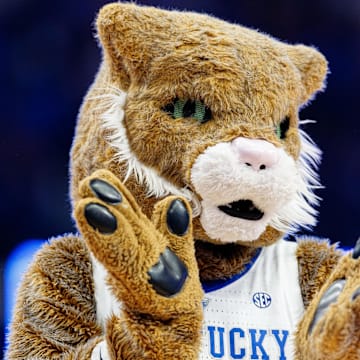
[[313, 68], [130, 37]]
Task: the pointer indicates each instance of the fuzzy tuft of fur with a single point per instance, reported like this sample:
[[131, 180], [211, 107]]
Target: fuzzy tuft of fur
[[301, 211]]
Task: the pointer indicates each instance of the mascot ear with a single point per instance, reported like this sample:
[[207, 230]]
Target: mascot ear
[[313, 68], [130, 37]]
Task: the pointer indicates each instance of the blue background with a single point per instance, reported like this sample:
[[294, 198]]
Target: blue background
[[49, 58]]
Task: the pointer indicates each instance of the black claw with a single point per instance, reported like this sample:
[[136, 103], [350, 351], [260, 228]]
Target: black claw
[[100, 218], [330, 296], [356, 294], [178, 218], [356, 251], [168, 275], [105, 192]]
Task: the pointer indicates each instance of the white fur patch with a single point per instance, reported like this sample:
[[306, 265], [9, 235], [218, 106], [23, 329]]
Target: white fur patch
[[283, 192], [106, 303], [155, 184]]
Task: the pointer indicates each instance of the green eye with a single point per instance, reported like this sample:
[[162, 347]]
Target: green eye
[[195, 109], [282, 128]]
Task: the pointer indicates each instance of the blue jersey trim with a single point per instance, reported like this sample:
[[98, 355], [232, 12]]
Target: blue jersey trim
[[213, 285]]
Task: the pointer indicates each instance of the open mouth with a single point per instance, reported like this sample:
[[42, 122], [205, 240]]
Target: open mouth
[[243, 209]]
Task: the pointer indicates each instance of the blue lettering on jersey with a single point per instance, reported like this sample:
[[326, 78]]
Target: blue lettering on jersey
[[216, 344], [281, 342], [236, 353], [239, 340], [257, 343], [262, 300]]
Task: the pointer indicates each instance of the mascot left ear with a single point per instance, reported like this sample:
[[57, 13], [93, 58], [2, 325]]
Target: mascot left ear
[[312, 66], [131, 36]]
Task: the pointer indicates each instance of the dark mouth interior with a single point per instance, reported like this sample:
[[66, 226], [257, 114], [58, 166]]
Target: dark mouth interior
[[243, 209]]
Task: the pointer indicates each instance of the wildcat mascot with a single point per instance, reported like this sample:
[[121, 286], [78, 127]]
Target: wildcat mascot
[[188, 168]]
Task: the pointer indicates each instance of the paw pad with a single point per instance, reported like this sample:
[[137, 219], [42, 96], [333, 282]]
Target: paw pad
[[330, 296], [168, 275], [178, 218], [105, 192], [100, 218]]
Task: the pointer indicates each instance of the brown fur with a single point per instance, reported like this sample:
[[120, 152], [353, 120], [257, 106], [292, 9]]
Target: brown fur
[[221, 262], [251, 82], [56, 309], [317, 259]]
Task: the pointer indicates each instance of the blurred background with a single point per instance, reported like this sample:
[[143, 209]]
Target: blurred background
[[49, 58]]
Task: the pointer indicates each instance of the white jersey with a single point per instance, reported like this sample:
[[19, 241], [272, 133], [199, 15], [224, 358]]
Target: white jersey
[[254, 314]]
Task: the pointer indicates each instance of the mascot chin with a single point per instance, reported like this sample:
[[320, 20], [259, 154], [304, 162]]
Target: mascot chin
[[188, 170]]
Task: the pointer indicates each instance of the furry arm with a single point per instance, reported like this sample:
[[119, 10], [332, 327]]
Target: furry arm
[[55, 311]]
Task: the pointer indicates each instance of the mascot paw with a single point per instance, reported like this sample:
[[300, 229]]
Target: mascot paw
[[331, 328], [138, 253]]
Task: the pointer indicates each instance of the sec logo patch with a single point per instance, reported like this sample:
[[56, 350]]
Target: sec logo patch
[[262, 300]]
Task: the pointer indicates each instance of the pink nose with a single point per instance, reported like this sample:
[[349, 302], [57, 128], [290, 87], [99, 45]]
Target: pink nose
[[259, 154]]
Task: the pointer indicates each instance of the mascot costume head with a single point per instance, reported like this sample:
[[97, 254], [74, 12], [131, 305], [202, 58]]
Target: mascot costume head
[[190, 105]]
